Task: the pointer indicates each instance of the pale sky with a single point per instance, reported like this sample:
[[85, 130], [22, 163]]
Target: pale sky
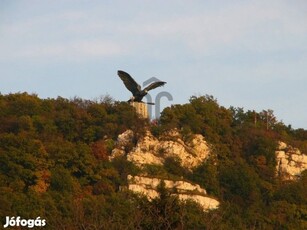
[[250, 54]]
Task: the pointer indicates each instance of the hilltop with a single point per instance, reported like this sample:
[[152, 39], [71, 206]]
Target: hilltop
[[75, 163]]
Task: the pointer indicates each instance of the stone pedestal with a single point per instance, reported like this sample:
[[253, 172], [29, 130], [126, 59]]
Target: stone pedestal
[[141, 109]]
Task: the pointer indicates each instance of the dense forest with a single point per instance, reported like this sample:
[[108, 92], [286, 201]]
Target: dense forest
[[54, 164]]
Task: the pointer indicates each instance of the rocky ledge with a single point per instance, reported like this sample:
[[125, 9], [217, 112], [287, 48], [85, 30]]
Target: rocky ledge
[[152, 150], [184, 190], [290, 161]]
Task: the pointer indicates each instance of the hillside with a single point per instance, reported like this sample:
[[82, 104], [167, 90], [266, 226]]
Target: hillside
[[75, 162]]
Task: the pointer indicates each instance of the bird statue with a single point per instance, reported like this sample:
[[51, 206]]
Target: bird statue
[[135, 88]]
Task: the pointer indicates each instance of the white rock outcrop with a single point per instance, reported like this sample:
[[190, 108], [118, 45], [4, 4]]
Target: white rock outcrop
[[184, 190], [123, 140], [290, 161], [151, 150]]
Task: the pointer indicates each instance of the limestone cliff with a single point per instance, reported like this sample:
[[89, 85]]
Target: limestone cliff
[[151, 150], [184, 190], [290, 161]]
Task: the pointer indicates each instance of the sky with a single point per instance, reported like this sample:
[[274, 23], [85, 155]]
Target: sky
[[249, 54]]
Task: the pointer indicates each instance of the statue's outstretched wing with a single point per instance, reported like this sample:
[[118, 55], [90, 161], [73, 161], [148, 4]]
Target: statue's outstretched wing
[[154, 85], [129, 82]]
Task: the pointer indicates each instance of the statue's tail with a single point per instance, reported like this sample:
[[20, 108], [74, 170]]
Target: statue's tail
[[148, 103]]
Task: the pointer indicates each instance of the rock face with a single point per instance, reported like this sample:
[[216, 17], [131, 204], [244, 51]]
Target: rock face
[[150, 150], [290, 161], [184, 190], [123, 140]]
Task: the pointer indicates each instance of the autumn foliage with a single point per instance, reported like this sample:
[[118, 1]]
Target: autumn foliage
[[54, 164]]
